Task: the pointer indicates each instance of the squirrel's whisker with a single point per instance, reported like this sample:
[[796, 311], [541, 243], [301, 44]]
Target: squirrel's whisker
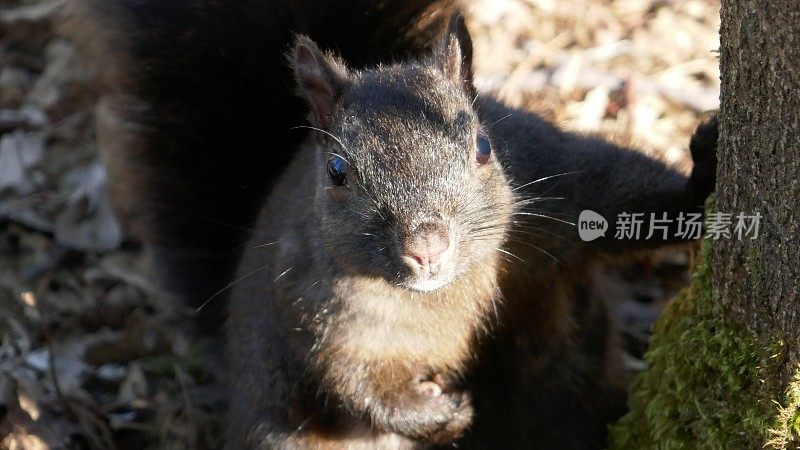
[[546, 178], [325, 132]]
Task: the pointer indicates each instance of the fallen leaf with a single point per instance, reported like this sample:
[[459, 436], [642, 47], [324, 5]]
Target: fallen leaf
[[19, 151], [88, 221]]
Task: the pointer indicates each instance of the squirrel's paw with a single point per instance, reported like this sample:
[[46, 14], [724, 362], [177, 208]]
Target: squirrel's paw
[[703, 147], [431, 410]]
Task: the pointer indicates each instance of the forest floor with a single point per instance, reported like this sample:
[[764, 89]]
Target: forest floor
[[94, 355]]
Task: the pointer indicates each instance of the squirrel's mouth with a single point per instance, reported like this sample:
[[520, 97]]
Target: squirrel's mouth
[[426, 285], [428, 279]]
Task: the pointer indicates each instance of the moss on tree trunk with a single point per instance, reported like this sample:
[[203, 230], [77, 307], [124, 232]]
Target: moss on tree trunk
[[709, 381], [724, 361]]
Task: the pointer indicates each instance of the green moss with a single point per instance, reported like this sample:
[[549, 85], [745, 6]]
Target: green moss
[[708, 382], [787, 430]]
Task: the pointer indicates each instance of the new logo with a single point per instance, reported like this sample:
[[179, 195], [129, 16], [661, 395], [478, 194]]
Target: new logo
[[591, 225]]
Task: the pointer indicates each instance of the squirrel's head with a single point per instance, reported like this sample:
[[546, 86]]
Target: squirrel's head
[[410, 188]]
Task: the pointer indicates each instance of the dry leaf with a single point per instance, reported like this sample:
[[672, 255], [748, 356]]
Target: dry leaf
[[88, 221]]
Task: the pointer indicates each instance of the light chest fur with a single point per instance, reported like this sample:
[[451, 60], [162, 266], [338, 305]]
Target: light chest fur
[[370, 320]]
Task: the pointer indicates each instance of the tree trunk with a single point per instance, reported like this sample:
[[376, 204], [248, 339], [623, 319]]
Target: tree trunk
[[724, 362], [759, 168]]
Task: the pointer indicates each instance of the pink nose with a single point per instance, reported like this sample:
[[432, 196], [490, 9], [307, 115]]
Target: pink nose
[[428, 244]]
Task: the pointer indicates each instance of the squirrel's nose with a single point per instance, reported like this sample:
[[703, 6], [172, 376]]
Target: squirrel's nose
[[428, 244]]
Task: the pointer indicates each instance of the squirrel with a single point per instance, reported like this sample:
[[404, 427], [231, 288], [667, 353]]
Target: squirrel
[[404, 286], [414, 278]]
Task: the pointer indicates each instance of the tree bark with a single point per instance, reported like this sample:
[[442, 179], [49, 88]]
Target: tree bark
[[724, 362], [759, 168]]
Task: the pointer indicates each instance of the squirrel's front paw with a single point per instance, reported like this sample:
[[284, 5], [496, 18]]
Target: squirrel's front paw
[[703, 147], [431, 410]]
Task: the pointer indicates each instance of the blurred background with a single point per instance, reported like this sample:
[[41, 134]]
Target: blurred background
[[93, 355]]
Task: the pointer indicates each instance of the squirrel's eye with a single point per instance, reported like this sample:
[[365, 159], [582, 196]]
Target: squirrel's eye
[[483, 149], [337, 170]]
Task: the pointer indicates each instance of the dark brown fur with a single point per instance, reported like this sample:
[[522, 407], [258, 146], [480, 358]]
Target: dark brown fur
[[328, 342]]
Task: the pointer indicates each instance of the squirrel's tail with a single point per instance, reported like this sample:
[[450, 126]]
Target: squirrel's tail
[[199, 113]]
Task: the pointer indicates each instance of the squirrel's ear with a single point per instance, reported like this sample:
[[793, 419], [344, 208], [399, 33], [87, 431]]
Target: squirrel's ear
[[455, 54], [321, 78]]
